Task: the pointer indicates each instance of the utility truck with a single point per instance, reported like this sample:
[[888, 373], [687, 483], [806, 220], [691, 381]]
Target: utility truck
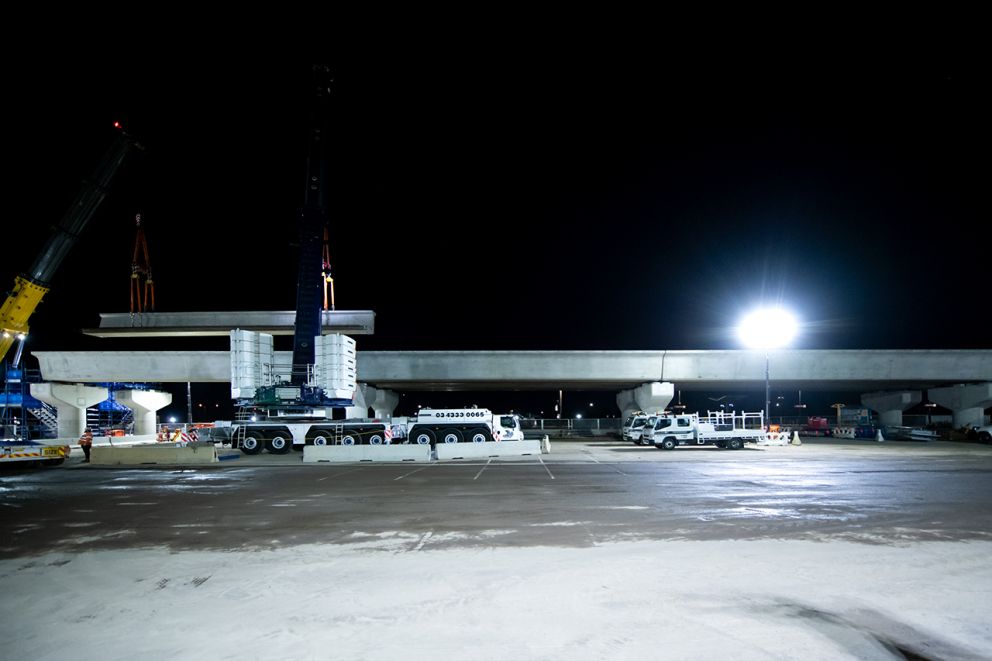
[[634, 420], [724, 430]]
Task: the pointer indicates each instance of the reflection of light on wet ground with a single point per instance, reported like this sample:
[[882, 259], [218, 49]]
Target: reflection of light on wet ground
[[748, 512]]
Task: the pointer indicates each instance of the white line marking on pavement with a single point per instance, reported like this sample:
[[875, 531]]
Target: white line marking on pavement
[[482, 469], [600, 462], [546, 467], [423, 540], [336, 474], [410, 473]]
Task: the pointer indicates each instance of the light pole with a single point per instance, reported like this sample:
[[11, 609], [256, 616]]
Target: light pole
[[767, 329]]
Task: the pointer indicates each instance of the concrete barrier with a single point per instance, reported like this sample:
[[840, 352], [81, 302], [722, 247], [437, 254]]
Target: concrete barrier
[[774, 438], [136, 455], [351, 453], [449, 451], [141, 439]]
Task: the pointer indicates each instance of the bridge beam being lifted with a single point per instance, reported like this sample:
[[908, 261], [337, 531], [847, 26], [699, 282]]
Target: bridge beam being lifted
[[205, 324]]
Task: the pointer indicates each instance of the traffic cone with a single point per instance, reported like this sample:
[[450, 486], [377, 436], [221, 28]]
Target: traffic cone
[[878, 437], [795, 438]]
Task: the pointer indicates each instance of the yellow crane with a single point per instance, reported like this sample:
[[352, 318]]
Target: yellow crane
[[31, 286]]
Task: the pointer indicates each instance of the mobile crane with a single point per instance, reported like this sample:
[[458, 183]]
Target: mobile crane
[[289, 405], [30, 287]]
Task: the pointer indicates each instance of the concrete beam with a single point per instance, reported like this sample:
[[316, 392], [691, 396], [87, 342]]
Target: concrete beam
[[966, 401], [70, 401], [145, 404], [204, 324], [551, 370], [890, 405]]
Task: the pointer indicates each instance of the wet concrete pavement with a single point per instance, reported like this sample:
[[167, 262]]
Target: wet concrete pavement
[[582, 494]]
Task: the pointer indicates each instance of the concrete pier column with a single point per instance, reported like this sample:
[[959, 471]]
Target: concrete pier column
[[626, 403], [384, 403], [145, 404], [364, 394], [71, 401], [890, 405], [966, 401], [654, 396]]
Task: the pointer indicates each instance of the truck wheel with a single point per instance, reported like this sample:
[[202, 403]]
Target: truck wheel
[[721, 444], [375, 439], [320, 439], [279, 444], [451, 436], [422, 437], [478, 435], [668, 444], [252, 444], [348, 440], [735, 444]]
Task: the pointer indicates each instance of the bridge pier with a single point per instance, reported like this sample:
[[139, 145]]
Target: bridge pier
[[890, 405], [626, 403], [966, 401], [384, 403], [648, 397], [360, 408], [71, 401], [145, 404]]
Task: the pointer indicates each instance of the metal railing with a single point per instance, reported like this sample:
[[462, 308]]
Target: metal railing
[[571, 427]]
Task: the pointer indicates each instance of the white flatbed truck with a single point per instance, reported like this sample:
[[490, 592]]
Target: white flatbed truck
[[724, 430]]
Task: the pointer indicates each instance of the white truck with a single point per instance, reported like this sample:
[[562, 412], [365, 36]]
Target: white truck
[[428, 427], [634, 420], [724, 430], [983, 433]]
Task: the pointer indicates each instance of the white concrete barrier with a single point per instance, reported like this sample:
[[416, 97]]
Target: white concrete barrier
[[118, 441], [774, 438], [136, 455], [350, 453], [448, 451]]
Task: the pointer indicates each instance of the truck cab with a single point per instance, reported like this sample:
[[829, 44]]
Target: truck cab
[[636, 433], [509, 426], [679, 427], [634, 419]]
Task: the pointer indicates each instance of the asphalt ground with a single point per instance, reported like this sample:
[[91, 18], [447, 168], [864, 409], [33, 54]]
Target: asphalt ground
[[581, 494]]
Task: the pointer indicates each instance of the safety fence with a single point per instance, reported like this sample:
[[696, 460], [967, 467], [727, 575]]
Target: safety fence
[[571, 427]]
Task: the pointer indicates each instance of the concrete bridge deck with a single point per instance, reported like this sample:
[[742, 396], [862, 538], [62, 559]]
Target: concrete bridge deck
[[590, 370]]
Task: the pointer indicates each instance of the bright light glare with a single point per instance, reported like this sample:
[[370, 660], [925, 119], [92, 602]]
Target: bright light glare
[[767, 328]]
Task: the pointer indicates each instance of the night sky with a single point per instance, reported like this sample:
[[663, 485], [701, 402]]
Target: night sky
[[488, 202]]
